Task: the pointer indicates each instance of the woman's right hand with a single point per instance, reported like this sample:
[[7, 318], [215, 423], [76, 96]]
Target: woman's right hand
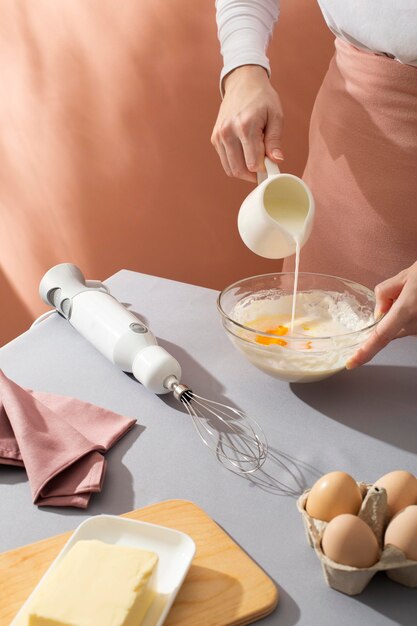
[[249, 123]]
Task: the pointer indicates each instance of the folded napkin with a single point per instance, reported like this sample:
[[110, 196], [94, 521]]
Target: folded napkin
[[60, 442]]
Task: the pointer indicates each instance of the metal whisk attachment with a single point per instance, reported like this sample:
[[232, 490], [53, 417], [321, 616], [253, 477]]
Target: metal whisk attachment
[[237, 440]]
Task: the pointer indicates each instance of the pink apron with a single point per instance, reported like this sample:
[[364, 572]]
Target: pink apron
[[362, 169]]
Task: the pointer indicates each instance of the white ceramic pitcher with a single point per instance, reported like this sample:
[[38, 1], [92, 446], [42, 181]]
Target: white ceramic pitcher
[[277, 213]]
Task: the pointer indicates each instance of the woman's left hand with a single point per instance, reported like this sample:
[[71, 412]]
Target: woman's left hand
[[397, 297]]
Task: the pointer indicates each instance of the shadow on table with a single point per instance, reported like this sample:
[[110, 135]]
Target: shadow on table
[[284, 475], [117, 495], [287, 611], [281, 474], [12, 475], [390, 599], [378, 400], [196, 376]]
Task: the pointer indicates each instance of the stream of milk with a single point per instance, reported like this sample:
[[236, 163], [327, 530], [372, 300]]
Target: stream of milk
[[292, 218], [294, 295]]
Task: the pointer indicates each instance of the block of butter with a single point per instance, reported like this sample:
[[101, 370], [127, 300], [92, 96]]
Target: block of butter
[[96, 584]]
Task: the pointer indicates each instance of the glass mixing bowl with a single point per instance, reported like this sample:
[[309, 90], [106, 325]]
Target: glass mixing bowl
[[295, 357]]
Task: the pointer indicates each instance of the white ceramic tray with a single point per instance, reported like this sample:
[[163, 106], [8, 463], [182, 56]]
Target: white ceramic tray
[[174, 549]]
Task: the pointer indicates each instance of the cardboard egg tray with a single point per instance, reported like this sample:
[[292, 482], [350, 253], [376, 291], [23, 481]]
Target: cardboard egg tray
[[353, 580]]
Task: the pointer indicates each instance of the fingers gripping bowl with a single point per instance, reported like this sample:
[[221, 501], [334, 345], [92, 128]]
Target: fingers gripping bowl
[[333, 318]]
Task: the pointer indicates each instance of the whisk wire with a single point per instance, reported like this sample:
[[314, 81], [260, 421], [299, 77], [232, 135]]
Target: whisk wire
[[244, 428], [245, 456], [230, 427], [239, 443]]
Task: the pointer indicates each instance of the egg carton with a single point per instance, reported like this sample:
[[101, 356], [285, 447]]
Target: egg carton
[[353, 580]]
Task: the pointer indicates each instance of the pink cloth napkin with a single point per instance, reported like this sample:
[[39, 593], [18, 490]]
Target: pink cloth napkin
[[60, 442]]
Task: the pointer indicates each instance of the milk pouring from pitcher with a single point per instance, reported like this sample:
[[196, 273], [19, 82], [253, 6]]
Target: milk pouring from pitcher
[[276, 218]]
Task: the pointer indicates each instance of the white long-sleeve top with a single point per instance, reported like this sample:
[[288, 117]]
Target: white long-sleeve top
[[386, 27]]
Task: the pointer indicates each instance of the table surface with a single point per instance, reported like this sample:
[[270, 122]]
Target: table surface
[[363, 422]]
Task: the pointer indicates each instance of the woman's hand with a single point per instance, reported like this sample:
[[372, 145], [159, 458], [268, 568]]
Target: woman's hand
[[249, 123], [397, 297]]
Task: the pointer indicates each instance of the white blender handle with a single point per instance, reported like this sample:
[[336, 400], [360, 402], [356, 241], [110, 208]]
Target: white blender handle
[[116, 332]]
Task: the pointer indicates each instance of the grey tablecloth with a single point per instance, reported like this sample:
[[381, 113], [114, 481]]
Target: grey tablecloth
[[363, 422]]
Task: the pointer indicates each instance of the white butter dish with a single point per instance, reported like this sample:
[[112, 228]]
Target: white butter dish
[[175, 550]]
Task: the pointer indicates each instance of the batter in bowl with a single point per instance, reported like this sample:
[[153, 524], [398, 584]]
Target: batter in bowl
[[325, 333]]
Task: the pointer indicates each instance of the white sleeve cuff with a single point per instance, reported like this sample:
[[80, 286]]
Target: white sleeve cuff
[[249, 59], [244, 31]]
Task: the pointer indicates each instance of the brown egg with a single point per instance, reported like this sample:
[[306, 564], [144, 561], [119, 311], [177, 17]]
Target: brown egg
[[401, 490], [402, 532], [333, 494], [348, 540]]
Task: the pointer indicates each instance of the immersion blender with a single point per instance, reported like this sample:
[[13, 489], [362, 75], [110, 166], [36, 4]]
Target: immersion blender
[[121, 337]]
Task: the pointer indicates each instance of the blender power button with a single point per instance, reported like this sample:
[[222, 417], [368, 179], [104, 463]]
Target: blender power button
[[138, 328]]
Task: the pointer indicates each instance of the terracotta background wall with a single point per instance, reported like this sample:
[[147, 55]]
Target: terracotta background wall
[[106, 114]]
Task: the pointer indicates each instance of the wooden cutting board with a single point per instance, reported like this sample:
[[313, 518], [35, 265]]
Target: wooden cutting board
[[224, 587]]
